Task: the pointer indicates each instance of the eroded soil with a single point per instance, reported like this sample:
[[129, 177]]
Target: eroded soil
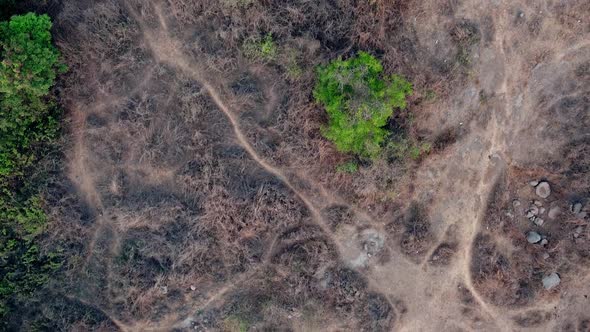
[[199, 193]]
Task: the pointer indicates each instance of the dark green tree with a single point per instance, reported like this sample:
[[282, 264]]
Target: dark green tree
[[359, 99]]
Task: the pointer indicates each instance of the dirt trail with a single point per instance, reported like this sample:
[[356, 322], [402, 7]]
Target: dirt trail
[[461, 190], [410, 280], [168, 50]]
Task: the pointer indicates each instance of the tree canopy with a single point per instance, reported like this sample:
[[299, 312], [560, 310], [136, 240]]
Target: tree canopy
[[28, 68], [359, 100]]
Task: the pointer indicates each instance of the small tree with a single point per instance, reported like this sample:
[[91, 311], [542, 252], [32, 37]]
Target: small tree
[[359, 100]]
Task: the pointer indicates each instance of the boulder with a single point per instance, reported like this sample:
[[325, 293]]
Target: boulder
[[533, 237], [551, 281], [543, 189]]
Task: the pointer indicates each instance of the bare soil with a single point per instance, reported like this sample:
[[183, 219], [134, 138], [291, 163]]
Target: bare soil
[[198, 192]]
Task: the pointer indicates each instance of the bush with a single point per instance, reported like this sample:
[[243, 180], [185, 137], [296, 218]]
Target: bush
[[261, 49], [359, 100], [28, 68], [348, 167]]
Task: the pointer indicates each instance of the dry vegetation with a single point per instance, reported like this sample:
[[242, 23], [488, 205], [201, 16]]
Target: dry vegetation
[[196, 192]]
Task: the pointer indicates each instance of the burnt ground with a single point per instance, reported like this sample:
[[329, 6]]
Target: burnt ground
[[198, 193]]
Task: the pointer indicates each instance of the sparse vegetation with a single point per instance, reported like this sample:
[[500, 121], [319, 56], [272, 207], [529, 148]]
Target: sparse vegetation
[[401, 149], [292, 67], [237, 3], [348, 167], [261, 49], [359, 99]]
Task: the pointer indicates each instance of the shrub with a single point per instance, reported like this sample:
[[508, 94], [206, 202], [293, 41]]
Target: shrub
[[348, 167], [261, 49], [359, 100], [404, 148]]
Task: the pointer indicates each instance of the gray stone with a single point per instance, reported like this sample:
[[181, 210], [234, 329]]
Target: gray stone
[[554, 212], [516, 203], [534, 210], [537, 203], [544, 242], [582, 215], [576, 208], [546, 256], [551, 281], [539, 222], [541, 210], [543, 190], [534, 183], [533, 237]]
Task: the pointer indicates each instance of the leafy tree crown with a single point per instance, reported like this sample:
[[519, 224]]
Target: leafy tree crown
[[29, 64], [359, 99]]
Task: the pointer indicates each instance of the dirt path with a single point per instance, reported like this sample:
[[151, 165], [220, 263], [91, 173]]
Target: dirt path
[[461, 190], [167, 50], [410, 279]]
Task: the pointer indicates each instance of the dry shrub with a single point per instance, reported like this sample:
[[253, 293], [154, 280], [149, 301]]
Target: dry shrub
[[503, 280], [416, 238]]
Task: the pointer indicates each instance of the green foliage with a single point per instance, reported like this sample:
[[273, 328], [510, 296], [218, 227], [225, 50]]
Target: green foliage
[[359, 100], [29, 64], [27, 72], [348, 167], [402, 149], [261, 49]]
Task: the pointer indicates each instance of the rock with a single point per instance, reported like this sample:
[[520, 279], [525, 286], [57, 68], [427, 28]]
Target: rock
[[534, 210], [554, 212], [576, 208], [543, 190], [534, 183], [544, 242], [546, 256], [551, 281], [530, 214], [533, 237], [581, 215], [537, 203], [539, 222], [541, 210], [193, 288], [516, 203]]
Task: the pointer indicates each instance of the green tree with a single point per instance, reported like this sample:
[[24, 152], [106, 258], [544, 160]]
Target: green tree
[[28, 68], [359, 99], [29, 64]]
